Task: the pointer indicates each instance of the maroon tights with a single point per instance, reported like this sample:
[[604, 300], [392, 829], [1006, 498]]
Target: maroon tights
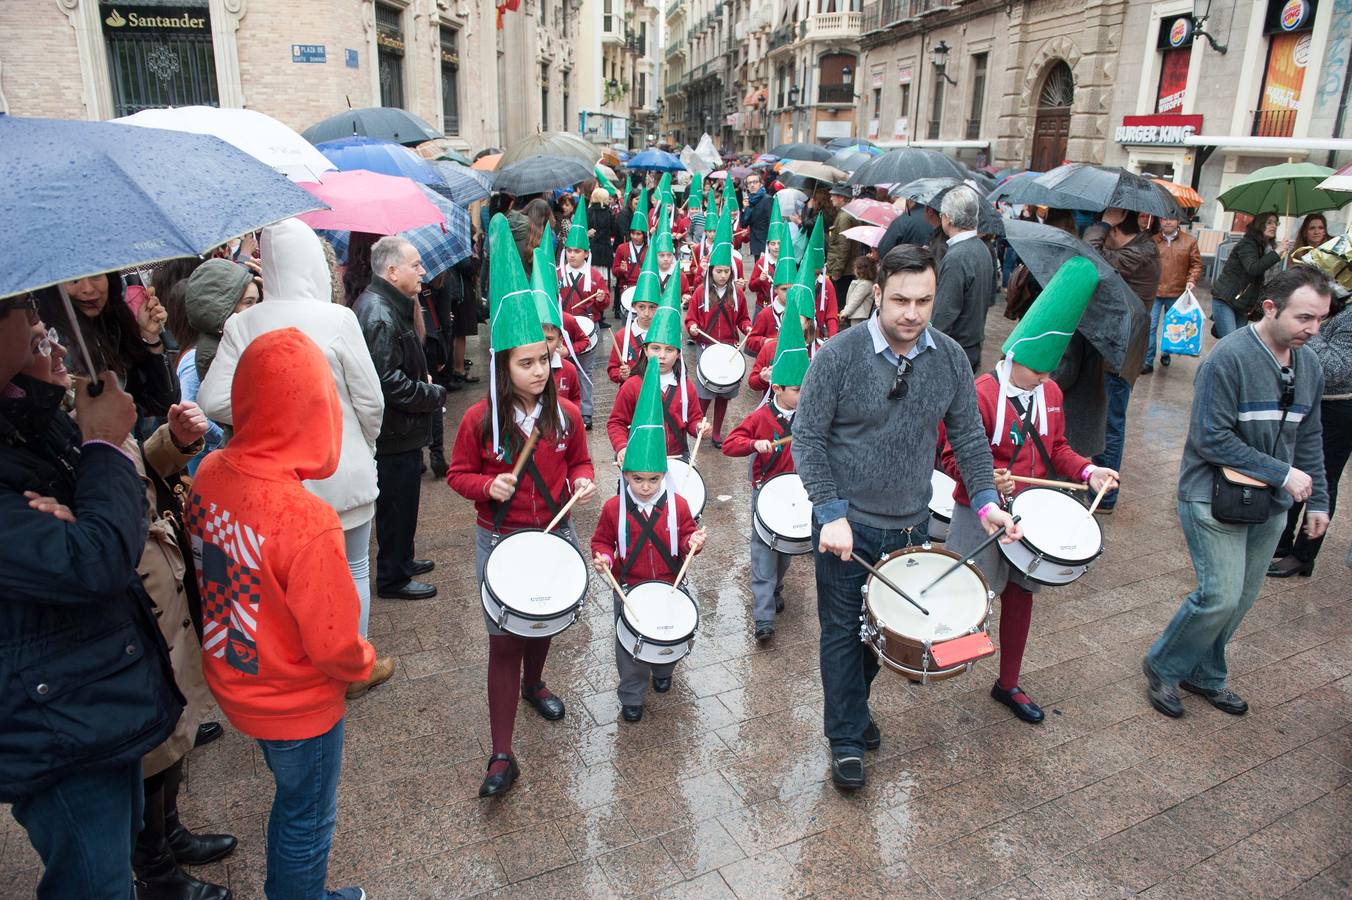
[[514, 663], [1016, 613]]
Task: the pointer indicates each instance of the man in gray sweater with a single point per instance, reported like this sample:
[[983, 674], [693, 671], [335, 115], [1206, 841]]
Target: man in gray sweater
[[966, 284], [1255, 410], [864, 440]]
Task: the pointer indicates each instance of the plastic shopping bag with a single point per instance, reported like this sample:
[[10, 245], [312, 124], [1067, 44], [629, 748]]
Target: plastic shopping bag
[[1183, 327]]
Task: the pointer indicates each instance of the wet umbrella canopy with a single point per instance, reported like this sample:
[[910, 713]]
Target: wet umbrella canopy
[[386, 157], [906, 164], [802, 151], [383, 122], [540, 173], [1097, 188]]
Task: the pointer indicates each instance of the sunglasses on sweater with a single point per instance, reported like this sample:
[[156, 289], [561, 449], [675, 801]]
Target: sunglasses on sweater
[[900, 384]]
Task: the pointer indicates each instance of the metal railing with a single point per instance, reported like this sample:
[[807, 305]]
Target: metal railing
[[1274, 122], [835, 93]]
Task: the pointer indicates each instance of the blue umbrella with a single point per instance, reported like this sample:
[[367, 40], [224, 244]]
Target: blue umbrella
[[655, 160], [83, 198], [463, 184], [439, 248], [385, 157]]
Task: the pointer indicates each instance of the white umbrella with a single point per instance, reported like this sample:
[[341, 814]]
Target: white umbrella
[[262, 137], [1340, 180]]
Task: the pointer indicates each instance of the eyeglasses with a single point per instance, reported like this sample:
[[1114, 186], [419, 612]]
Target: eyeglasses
[[900, 385], [1288, 380], [43, 347], [28, 303]]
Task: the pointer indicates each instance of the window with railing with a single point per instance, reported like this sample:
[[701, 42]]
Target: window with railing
[[1274, 122], [450, 80], [978, 95], [390, 54]]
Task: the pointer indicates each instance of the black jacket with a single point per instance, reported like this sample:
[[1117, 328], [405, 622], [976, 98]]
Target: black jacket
[[85, 678], [601, 220], [1240, 284], [756, 218], [386, 319], [910, 228]]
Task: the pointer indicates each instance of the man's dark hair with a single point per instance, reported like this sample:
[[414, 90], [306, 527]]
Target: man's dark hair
[[1281, 286], [903, 258]]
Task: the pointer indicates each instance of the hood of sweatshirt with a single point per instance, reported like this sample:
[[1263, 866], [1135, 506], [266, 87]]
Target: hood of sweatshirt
[[288, 419], [294, 267], [214, 288]]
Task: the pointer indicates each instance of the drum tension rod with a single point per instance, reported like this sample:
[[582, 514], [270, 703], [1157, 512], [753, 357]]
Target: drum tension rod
[[971, 555], [887, 581]]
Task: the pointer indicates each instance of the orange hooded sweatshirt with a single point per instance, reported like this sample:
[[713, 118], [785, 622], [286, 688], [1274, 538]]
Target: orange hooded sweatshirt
[[279, 609]]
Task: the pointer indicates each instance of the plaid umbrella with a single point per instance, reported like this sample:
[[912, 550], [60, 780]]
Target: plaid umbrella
[[463, 184], [440, 248]]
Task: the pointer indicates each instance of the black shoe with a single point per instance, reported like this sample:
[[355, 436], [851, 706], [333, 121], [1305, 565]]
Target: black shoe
[[1025, 709], [779, 603], [496, 785], [207, 732], [631, 713], [437, 462], [421, 566], [873, 736], [451, 385], [716, 441], [1164, 697], [550, 707], [1146, 370], [1288, 566], [412, 590], [197, 849], [1165, 360], [603, 323], [586, 422], [176, 884], [1105, 509], [466, 378], [847, 772], [764, 631], [661, 685], [1226, 700]]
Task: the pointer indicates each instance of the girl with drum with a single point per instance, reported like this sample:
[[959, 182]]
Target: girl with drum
[[584, 297], [761, 284], [761, 433], [626, 349], [491, 439], [630, 255], [718, 315], [642, 537], [1021, 406], [667, 269], [801, 292]]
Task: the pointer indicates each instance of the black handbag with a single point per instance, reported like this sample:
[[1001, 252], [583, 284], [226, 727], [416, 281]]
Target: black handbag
[[1237, 499]]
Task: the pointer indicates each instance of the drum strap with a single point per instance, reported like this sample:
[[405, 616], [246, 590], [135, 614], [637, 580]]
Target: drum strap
[[500, 508], [1029, 434], [721, 310], [674, 425], [787, 426], [647, 534], [571, 292]]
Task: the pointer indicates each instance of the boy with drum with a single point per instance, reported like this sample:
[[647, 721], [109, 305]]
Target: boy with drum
[[828, 308], [582, 291], [667, 268], [1021, 408], [566, 381], [761, 283], [644, 534], [799, 296], [761, 433], [717, 315], [766, 327], [630, 255], [491, 440]]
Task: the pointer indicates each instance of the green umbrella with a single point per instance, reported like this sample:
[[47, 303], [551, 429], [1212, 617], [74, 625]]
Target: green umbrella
[[1290, 189]]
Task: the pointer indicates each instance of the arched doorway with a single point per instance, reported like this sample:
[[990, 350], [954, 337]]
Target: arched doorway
[[1052, 126]]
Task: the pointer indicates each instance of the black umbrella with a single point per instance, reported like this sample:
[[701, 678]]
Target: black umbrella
[[905, 165], [1099, 187], [849, 160], [387, 123], [1028, 191], [930, 192], [1115, 313], [801, 151], [540, 173], [842, 143]]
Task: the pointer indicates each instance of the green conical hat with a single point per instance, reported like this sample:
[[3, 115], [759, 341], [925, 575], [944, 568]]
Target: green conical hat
[[662, 242], [696, 196], [603, 181], [666, 326], [544, 283], [720, 254], [577, 230], [729, 198], [786, 270], [628, 188], [640, 216], [778, 231], [790, 354], [648, 286], [1040, 338], [814, 257], [647, 447], [802, 296], [664, 189], [511, 302]]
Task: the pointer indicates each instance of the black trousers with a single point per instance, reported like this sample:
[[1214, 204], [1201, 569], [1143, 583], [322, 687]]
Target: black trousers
[[400, 482], [1336, 417]]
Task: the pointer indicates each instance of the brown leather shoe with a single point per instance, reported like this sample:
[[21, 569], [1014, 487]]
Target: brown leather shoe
[[380, 673]]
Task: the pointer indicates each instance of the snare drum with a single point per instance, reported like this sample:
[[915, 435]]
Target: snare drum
[[940, 505], [593, 334], [689, 484], [1060, 538], [922, 647], [627, 299], [721, 369], [783, 515], [534, 584], [667, 621]]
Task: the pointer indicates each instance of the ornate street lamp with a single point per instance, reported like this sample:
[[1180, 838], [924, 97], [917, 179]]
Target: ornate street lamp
[[939, 59], [1201, 11]]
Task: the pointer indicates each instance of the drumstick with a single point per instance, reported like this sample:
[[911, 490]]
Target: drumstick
[[971, 555], [1099, 497], [887, 581], [680, 576], [610, 576], [742, 343], [563, 512], [526, 452], [787, 439], [693, 453], [1043, 482]]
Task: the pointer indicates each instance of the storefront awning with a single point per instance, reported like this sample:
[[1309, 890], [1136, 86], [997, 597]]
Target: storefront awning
[[1269, 145], [755, 96]]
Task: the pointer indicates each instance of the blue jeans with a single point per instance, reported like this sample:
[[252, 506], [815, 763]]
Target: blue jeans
[[1118, 392], [1224, 318], [83, 827], [1230, 561], [304, 809], [848, 667], [1156, 316]]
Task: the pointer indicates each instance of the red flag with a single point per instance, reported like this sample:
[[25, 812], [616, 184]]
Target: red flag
[[505, 6]]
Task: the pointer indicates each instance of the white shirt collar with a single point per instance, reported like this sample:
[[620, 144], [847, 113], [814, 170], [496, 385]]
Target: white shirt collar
[[668, 379], [961, 236], [556, 361], [645, 508], [785, 413], [527, 421]]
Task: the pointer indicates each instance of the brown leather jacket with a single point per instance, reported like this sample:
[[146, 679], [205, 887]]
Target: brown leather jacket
[[1180, 263]]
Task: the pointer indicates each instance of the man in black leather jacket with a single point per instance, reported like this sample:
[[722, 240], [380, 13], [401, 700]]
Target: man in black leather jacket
[[86, 688], [386, 312]]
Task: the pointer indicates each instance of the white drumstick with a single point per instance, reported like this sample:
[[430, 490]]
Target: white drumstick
[[1103, 490], [624, 600], [563, 512]]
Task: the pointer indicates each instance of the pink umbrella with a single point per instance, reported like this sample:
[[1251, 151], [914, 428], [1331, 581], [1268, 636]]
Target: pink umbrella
[[866, 234], [875, 212], [371, 202]]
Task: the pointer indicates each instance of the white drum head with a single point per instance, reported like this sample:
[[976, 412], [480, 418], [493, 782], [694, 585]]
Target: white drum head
[[627, 299], [1057, 525], [941, 494], [689, 484], [956, 606], [722, 364], [665, 613], [783, 505], [587, 325], [536, 574]]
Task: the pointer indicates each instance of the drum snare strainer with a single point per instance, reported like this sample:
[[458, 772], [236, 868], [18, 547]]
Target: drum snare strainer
[[1061, 539]]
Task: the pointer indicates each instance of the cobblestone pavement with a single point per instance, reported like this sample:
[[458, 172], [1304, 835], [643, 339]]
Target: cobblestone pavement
[[722, 790]]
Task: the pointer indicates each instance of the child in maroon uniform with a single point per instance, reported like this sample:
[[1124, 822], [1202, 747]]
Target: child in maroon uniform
[[718, 316]]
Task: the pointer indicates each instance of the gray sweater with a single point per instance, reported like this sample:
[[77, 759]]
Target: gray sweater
[[1333, 346], [1235, 418], [869, 458], [965, 289]]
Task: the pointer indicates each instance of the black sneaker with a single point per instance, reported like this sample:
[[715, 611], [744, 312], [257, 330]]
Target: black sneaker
[[779, 603], [847, 772], [661, 685], [1146, 370], [1226, 700], [764, 631], [873, 736], [1162, 696], [1165, 360]]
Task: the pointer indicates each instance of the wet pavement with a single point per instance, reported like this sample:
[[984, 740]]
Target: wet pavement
[[723, 789]]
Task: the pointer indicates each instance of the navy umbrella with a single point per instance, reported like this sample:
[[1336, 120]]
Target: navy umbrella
[[463, 184], [654, 160], [386, 157], [906, 164], [83, 198], [536, 174], [1115, 314], [802, 151], [386, 123], [1097, 188]]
